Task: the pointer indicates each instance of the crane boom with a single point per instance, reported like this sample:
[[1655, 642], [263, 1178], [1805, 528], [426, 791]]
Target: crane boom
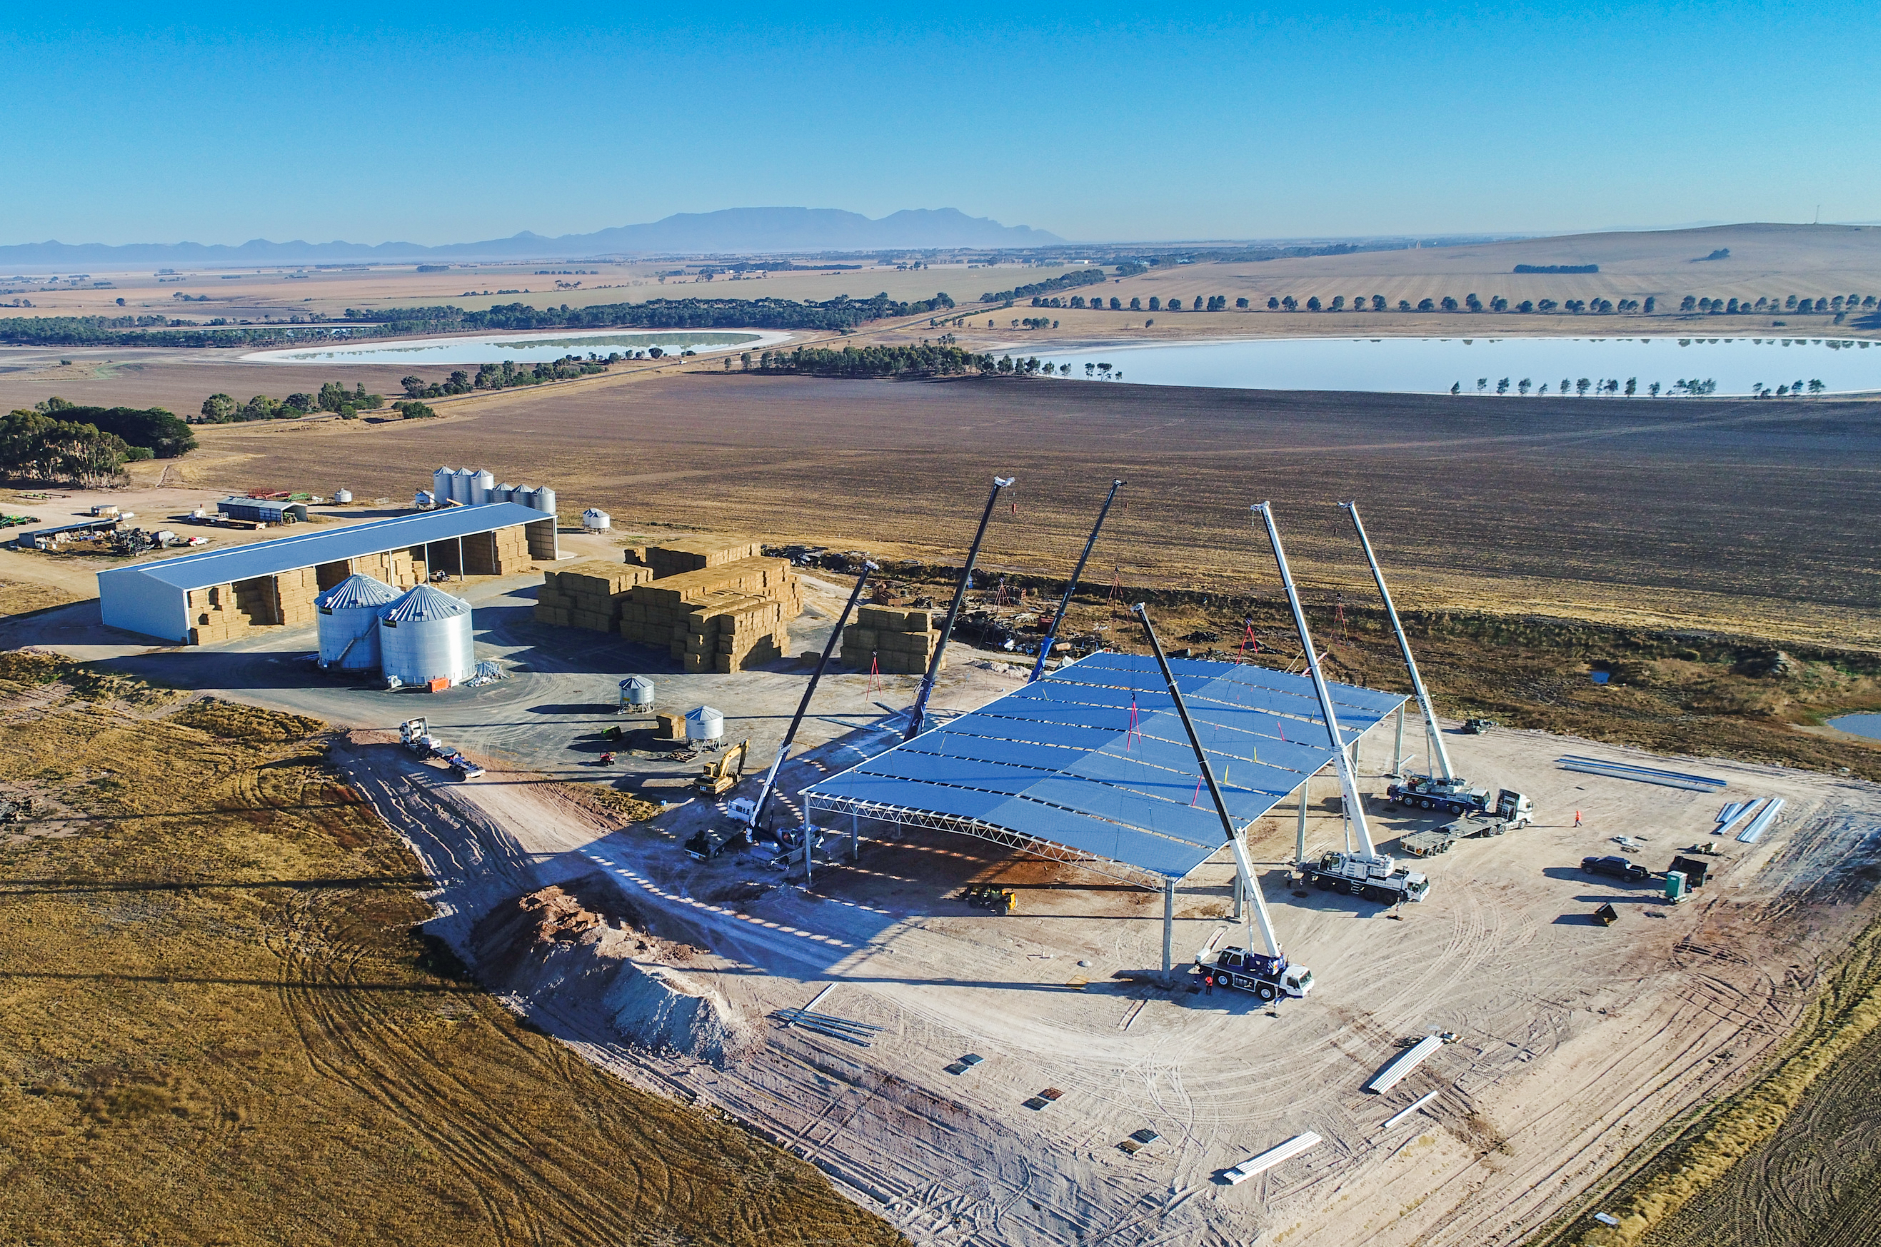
[[1250, 887], [1348, 783], [1045, 646], [917, 715], [1404, 647], [803, 707]]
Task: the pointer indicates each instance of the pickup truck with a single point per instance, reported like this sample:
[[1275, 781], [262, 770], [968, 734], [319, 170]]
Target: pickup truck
[[1614, 864]]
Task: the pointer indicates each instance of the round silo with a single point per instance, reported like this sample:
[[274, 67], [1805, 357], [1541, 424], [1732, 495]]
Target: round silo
[[480, 486], [342, 496], [460, 485], [505, 492], [525, 494], [636, 693], [705, 724], [545, 500], [441, 484], [595, 520], [424, 636], [349, 622]]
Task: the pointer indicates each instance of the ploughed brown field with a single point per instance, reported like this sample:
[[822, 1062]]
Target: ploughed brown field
[[1756, 516]]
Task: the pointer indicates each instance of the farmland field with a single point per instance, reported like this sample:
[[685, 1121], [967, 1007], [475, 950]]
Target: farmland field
[[1723, 514]]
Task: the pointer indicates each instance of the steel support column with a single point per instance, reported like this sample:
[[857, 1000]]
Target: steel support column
[[1397, 753], [1299, 851], [1169, 931]]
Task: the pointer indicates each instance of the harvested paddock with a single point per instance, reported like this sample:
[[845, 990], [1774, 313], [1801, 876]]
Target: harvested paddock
[[221, 1026], [1736, 514]]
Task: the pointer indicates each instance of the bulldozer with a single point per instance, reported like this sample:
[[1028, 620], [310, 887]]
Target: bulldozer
[[720, 777]]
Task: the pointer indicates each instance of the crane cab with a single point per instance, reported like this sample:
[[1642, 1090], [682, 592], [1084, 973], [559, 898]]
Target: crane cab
[[1266, 977]]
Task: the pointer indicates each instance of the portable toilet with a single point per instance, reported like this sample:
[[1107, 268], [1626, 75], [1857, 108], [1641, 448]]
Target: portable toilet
[[1675, 887]]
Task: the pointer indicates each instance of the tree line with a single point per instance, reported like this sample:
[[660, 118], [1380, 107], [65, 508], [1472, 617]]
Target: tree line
[[1065, 281], [508, 375], [56, 442], [875, 361], [333, 397], [839, 313]]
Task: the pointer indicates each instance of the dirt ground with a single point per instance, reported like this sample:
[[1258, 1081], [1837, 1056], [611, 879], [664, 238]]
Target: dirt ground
[[1575, 1040]]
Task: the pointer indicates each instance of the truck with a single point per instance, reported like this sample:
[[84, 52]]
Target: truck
[[1446, 790], [415, 735], [1366, 872], [1513, 810], [1268, 975]]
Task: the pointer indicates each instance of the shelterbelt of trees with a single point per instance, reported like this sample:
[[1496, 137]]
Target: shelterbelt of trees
[[56, 442], [839, 313]]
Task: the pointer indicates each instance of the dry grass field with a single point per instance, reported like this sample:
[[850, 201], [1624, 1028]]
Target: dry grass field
[[1735, 515], [221, 1027]]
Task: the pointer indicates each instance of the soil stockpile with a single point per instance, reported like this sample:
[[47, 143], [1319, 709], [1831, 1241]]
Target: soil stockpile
[[582, 948]]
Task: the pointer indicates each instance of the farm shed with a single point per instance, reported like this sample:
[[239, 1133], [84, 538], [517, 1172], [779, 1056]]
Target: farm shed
[[220, 594]]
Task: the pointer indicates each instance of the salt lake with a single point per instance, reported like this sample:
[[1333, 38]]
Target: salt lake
[[1480, 365], [522, 348], [1859, 724]]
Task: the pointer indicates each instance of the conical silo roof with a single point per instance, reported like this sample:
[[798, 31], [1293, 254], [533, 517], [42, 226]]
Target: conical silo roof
[[424, 602], [356, 590]]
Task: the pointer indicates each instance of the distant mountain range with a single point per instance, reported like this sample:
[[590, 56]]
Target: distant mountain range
[[729, 231]]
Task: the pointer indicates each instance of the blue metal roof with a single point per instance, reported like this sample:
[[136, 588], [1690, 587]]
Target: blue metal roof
[[1094, 757], [266, 558]]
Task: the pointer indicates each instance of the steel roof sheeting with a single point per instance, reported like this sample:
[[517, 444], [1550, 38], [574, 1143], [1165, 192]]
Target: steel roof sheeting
[[267, 558], [1064, 760]]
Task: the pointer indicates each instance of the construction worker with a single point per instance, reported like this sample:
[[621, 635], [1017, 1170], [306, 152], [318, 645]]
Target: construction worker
[[1208, 984], [1577, 818]]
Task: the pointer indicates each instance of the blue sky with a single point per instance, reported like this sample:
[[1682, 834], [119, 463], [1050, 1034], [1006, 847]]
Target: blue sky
[[431, 124]]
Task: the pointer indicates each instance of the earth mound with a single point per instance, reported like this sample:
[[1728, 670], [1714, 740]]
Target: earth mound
[[583, 948]]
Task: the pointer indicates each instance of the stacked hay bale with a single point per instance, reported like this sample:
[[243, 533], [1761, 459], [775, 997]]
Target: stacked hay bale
[[692, 554], [397, 568], [588, 595], [732, 631], [501, 553], [213, 617], [901, 642], [294, 594], [660, 612]]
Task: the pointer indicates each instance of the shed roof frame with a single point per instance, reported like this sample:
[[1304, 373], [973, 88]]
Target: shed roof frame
[[1055, 768]]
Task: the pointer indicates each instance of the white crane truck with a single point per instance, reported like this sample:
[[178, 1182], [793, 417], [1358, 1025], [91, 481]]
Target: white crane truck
[[1365, 873], [1267, 975], [1446, 791]]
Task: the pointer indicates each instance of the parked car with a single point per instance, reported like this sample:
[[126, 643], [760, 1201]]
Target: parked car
[[1614, 864]]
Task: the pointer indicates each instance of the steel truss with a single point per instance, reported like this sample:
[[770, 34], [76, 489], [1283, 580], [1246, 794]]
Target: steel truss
[[1050, 850]]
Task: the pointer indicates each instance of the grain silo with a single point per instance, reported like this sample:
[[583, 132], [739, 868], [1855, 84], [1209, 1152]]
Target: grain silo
[[349, 622], [595, 520], [425, 636], [481, 486], [705, 724], [505, 492], [545, 500], [441, 485], [461, 485]]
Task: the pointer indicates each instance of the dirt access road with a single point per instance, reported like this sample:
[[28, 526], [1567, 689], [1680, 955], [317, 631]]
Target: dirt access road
[[1575, 1040]]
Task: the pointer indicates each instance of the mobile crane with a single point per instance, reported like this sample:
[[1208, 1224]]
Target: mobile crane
[[1367, 873], [1268, 975], [1446, 791]]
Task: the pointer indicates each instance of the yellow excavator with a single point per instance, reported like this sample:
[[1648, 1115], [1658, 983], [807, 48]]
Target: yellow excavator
[[720, 777]]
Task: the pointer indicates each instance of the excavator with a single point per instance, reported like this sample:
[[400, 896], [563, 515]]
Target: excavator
[[720, 777], [1267, 975]]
